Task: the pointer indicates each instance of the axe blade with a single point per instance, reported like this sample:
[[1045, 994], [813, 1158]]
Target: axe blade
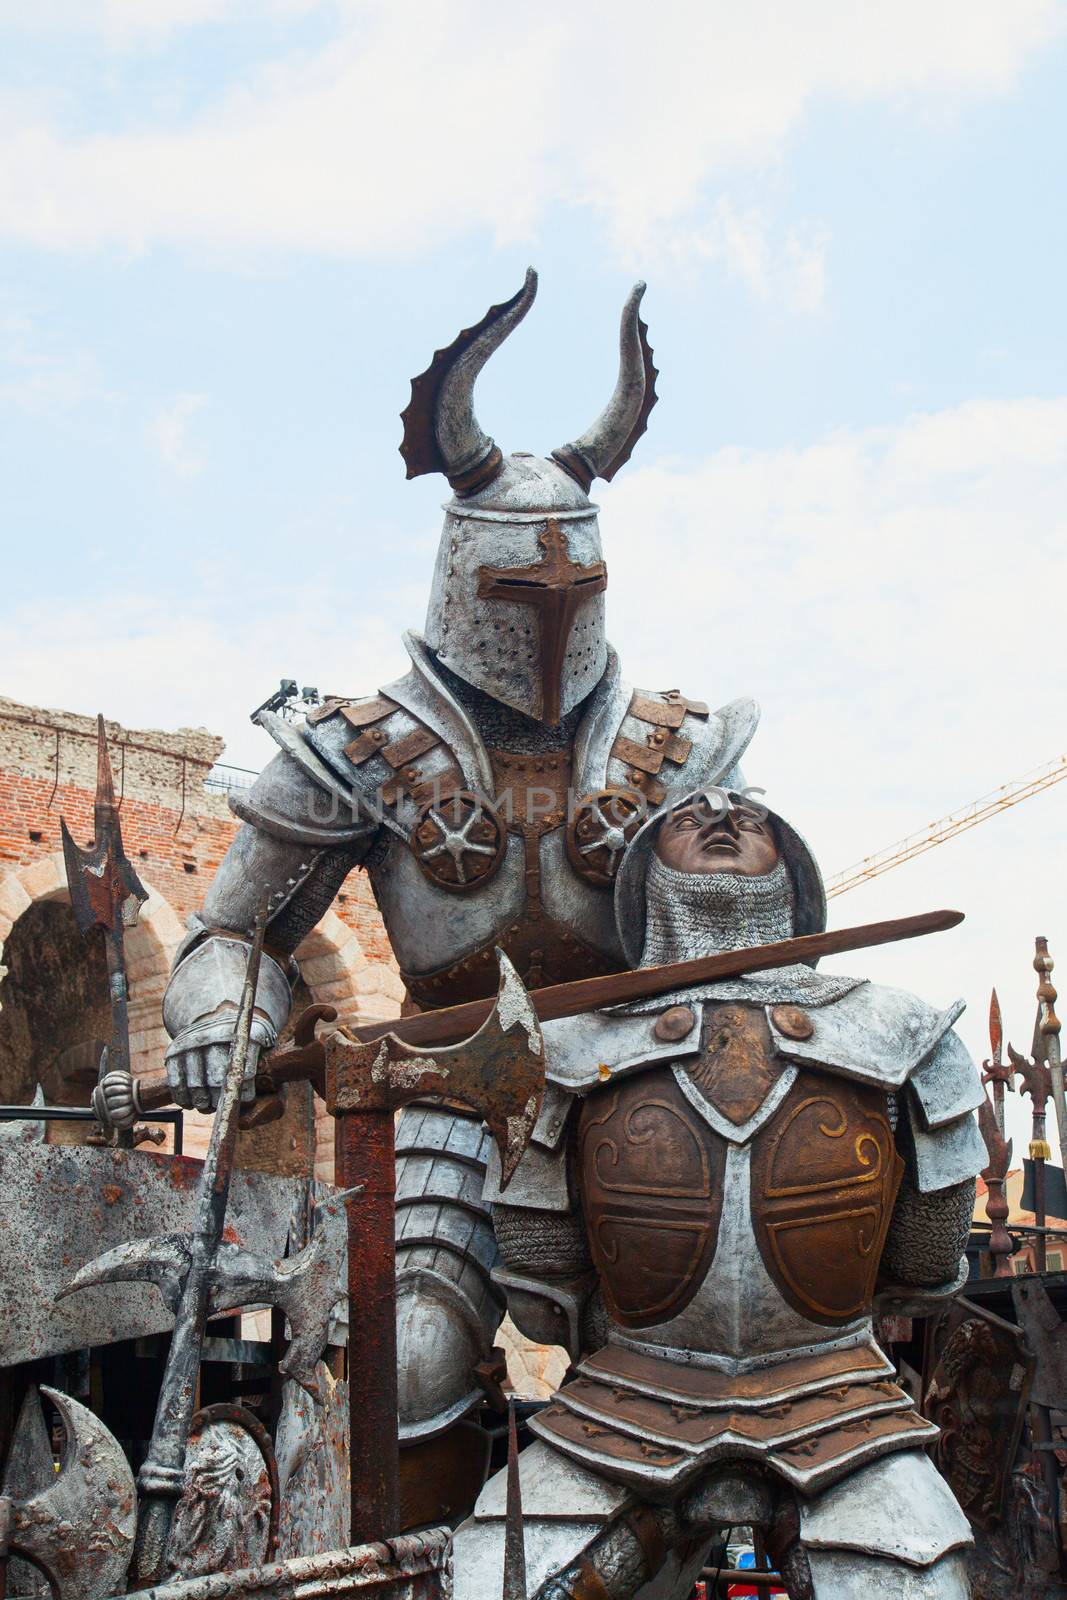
[[163, 1260], [80, 1527], [498, 1072], [305, 1286], [102, 880]]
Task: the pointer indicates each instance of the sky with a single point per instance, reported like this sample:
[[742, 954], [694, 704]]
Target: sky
[[233, 231]]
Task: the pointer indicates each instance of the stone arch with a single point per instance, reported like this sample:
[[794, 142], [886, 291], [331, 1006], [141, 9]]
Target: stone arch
[[26, 894], [336, 971]]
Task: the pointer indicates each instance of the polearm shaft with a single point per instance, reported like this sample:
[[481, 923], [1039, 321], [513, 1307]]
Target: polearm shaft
[[1049, 1024], [365, 1155], [103, 888], [162, 1477]]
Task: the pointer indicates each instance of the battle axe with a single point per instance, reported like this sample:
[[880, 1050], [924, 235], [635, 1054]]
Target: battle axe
[[497, 1073]]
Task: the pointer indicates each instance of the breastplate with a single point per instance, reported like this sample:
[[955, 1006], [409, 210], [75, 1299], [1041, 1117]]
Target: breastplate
[[552, 922], [806, 1160]]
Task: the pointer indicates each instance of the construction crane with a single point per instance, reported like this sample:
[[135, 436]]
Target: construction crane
[[935, 833]]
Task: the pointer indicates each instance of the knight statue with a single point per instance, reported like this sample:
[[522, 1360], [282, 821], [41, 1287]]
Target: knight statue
[[490, 793], [725, 1185]]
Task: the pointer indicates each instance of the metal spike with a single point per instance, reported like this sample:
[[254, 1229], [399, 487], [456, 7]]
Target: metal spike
[[996, 1028], [514, 1537]]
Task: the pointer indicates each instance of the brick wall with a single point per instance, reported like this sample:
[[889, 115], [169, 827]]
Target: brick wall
[[175, 833]]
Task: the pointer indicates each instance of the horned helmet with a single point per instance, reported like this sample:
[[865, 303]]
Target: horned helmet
[[517, 601]]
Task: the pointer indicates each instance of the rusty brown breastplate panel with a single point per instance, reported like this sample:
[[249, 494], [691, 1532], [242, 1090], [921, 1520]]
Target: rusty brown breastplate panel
[[825, 1174], [651, 1178]]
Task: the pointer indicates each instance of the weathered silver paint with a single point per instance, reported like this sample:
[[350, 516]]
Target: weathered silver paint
[[540, 1181], [738, 1311], [899, 1507], [546, 1313], [564, 1508], [583, 1052], [598, 447], [493, 644], [447, 1307], [305, 1286], [80, 1527], [873, 1034], [947, 1084], [200, 1011], [947, 1155], [96, 1199], [312, 1448], [837, 1573]]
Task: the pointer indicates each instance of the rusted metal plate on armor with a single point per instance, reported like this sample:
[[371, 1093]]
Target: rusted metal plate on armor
[[692, 1385], [365, 712], [825, 1174], [417, 743], [977, 1387], [699, 1427], [737, 1066], [370, 743], [554, 590], [646, 758], [677, 1022], [669, 714], [458, 842], [645, 1439], [409, 1567], [813, 1463], [601, 827], [61, 1206], [651, 1176]]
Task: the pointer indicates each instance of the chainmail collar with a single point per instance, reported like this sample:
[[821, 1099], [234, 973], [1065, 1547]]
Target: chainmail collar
[[692, 914], [502, 727]]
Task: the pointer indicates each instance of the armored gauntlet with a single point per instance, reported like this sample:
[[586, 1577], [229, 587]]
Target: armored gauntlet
[[200, 1014]]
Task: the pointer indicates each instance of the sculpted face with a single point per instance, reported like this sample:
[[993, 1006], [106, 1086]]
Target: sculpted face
[[702, 837]]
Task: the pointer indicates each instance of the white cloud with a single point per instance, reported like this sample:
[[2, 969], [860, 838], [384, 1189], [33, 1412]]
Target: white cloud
[[890, 596], [172, 435], [416, 124], [38, 379], [789, 268]]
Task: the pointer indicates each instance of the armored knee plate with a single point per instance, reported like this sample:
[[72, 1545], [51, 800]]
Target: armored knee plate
[[893, 1529], [448, 1309]]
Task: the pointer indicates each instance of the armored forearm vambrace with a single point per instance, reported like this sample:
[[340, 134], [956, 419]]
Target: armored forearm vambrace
[[447, 1307]]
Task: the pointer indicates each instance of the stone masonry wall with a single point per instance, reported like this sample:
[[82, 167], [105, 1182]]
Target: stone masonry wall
[[175, 833]]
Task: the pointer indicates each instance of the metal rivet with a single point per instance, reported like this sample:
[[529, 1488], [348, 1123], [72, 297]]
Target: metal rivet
[[677, 1022], [792, 1021]]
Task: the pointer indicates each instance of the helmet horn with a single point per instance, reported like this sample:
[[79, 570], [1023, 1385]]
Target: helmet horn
[[441, 432], [608, 444]]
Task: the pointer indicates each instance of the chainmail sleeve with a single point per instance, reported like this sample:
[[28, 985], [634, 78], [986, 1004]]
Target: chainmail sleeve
[[928, 1234], [928, 1231]]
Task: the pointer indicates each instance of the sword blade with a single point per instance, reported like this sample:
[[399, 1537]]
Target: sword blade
[[454, 1023]]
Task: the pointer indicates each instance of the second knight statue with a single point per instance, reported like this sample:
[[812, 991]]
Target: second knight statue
[[724, 1185], [454, 787]]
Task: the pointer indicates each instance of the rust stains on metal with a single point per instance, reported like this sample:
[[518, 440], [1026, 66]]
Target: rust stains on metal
[[554, 588]]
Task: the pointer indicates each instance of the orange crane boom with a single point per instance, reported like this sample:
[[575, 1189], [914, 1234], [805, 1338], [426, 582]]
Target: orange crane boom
[[935, 833]]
